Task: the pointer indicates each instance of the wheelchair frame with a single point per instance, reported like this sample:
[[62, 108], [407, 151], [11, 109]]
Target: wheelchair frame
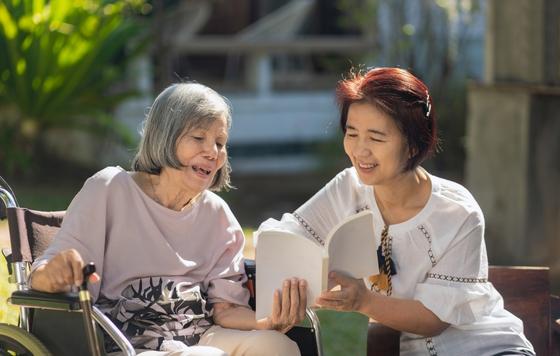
[[28, 299]]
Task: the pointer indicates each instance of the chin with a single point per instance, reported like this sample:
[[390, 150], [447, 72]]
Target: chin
[[367, 180]]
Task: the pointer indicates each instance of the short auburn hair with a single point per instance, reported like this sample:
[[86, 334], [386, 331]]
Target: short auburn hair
[[401, 96]]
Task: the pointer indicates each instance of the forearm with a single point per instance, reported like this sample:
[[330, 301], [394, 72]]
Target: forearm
[[402, 314], [234, 316]]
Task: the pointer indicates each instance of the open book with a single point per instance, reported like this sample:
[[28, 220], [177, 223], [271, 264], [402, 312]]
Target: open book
[[349, 249]]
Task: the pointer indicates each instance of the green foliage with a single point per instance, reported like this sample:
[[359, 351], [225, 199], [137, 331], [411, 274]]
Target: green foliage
[[59, 65]]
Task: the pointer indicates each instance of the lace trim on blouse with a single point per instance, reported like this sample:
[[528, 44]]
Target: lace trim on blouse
[[309, 229]]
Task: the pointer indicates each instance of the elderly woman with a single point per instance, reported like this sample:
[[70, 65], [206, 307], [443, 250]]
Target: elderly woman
[[430, 231], [167, 249]]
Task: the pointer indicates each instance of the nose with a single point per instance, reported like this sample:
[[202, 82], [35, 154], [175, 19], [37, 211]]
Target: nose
[[211, 150], [362, 149]]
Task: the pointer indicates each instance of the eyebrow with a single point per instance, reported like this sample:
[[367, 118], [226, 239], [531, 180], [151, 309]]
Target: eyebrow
[[348, 127]]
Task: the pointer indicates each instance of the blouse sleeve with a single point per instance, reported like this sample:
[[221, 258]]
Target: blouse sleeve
[[456, 288], [227, 278], [83, 228]]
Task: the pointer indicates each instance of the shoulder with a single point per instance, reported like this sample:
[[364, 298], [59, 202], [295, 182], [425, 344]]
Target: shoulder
[[106, 180], [107, 176], [212, 203], [348, 175], [456, 199], [345, 180]]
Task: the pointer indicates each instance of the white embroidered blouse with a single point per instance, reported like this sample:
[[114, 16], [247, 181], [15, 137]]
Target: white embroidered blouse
[[440, 259]]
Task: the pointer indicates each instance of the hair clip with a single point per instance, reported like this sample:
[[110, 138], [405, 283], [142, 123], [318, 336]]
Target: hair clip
[[428, 104]]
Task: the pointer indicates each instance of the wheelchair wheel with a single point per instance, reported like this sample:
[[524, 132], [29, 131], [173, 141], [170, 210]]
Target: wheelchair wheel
[[16, 341]]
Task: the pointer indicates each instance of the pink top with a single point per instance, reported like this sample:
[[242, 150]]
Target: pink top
[[113, 223]]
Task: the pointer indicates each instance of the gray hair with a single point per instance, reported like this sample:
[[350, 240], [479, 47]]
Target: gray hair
[[180, 107]]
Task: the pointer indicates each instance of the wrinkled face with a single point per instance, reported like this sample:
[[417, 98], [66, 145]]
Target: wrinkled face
[[202, 152], [374, 144]]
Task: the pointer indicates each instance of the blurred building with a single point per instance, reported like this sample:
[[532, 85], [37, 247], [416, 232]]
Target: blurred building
[[278, 62], [513, 165]]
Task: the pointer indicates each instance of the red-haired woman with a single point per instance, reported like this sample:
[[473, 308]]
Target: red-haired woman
[[433, 286]]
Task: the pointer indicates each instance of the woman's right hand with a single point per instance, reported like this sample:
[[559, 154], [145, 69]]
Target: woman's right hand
[[60, 273]]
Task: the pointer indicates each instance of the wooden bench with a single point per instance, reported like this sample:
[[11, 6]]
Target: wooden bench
[[526, 293]]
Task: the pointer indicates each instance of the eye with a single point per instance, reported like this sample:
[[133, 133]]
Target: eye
[[375, 139], [197, 138], [352, 135], [220, 145]]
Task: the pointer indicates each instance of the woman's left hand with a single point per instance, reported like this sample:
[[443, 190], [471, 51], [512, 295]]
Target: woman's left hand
[[288, 307], [351, 296]]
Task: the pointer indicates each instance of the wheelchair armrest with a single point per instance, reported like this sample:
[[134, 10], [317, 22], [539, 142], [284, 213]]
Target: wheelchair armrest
[[42, 300]]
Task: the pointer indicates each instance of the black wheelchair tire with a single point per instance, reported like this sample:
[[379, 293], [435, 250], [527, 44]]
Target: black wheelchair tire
[[16, 341]]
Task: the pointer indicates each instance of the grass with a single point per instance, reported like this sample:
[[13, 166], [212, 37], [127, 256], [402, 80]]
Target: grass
[[342, 333]]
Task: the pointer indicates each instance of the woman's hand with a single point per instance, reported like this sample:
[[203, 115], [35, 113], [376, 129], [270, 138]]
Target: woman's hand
[[288, 307], [60, 273], [351, 296]]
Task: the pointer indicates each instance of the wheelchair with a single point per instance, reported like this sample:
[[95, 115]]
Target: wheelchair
[[53, 323]]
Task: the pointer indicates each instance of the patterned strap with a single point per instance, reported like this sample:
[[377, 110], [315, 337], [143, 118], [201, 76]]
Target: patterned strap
[[382, 281], [387, 247]]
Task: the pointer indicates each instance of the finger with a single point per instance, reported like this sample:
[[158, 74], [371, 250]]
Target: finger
[[285, 299], [333, 295], [276, 306], [294, 301], [60, 274], [302, 289], [76, 265], [94, 278], [333, 304]]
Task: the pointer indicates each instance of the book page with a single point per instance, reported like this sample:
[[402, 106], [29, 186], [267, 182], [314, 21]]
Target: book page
[[351, 246], [281, 255]]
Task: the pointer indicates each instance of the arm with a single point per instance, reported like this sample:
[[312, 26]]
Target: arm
[[81, 238], [401, 314], [287, 310]]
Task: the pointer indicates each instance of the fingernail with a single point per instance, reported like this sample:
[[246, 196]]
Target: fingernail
[[94, 278]]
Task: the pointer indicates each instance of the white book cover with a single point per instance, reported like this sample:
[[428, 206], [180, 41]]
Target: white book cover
[[349, 249]]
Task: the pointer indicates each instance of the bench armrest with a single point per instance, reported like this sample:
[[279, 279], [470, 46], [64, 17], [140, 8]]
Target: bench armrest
[[42, 300]]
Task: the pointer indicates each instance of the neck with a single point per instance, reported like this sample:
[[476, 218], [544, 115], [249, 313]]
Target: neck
[[403, 196], [167, 191]]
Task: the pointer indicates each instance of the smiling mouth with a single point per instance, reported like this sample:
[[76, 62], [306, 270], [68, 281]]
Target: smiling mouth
[[367, 165], [201, 170]]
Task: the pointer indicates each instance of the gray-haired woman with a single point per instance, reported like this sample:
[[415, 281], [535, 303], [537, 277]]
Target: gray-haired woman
[[167, 249]]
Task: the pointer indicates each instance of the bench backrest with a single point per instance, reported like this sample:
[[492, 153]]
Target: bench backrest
[[526, 293]]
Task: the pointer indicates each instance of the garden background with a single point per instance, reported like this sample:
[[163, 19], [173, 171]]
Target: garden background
[[76, 79]]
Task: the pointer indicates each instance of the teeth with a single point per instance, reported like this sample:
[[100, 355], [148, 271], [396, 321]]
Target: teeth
[[202, 170], [367, 165]]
